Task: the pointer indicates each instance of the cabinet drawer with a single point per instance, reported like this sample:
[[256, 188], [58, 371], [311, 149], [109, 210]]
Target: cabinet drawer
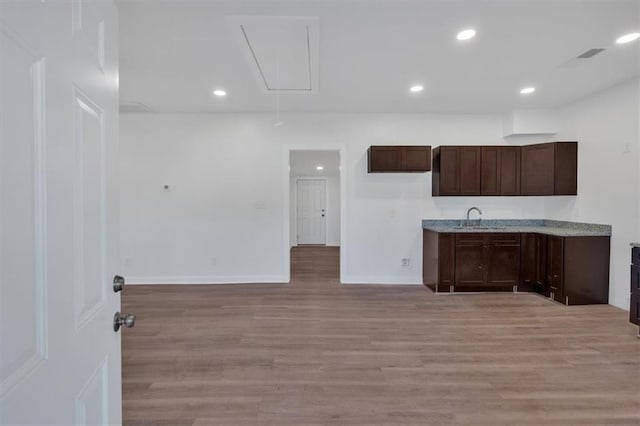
[[635, 256], [504, 238], [473, 238]]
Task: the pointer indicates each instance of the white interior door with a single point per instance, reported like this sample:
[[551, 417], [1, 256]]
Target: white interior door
[[311, 218], [60, 357]]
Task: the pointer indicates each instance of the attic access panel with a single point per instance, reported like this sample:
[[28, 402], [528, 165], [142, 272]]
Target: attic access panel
[[282, 52]]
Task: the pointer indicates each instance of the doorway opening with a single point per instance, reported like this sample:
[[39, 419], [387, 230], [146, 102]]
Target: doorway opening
[[315, 213]]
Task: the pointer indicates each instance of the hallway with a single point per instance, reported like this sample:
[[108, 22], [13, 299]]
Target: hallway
[[315, 352]]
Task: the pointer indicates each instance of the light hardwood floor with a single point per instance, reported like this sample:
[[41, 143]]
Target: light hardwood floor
[[317, 353]]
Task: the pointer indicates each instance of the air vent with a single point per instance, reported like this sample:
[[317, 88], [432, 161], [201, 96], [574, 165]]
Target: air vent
[[134, 107], [590, 53]]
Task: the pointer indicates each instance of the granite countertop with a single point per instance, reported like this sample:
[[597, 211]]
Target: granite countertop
[[540, 226]]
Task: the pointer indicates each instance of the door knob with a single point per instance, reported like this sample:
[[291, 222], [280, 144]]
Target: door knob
[[120, 320], [118, 283]]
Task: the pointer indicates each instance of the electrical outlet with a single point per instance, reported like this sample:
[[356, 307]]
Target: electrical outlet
[[214, 261], [128, 261], [166, 188], [405, 262]]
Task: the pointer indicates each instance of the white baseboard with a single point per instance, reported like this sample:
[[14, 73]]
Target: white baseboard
[[378, 281], [326, 245], [190, 280]]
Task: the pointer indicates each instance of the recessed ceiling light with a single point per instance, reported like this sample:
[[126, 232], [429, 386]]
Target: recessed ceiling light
[[528, 90], [627, 38], [417, 88], [319, 168], [466, 34], [219, 92]]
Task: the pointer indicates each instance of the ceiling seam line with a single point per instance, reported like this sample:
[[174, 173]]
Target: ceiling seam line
[[254, 57], [309, 59]]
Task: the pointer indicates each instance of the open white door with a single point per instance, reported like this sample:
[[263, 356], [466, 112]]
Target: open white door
[[60, 356], [311, 198]]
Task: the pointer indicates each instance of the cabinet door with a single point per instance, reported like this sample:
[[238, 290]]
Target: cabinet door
[[490, 170], [449, 170], [509, 170], [566, 168], [470, 260], [469, 169], [634, 308], [503, 260], [635, 256], [527, 262], [446, 262], [384, 159], [555, 262], [415, 158], [533, 264], [540, 281], [503, 265], [538, 164]]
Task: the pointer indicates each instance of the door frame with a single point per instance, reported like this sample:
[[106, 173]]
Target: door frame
[[286, 186], [295, 202]]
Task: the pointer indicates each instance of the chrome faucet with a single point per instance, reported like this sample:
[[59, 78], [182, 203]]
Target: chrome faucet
[[476, 209]]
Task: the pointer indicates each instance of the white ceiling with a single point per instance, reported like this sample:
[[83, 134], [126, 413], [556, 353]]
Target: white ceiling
[[174, 53], [304, 163]]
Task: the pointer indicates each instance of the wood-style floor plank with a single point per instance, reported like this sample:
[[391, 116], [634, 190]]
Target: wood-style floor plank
[[314, 352]]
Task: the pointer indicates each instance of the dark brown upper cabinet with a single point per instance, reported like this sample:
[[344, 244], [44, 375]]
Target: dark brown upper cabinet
[[550, 169], [543, 169], [399, 159], [456, 170], [500, 170]]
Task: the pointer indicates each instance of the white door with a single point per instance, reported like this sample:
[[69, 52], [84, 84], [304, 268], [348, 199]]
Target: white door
[[311, 211], [60, 356]]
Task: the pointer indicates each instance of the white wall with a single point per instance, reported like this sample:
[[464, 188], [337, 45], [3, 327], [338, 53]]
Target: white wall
[[332, 207], [606, 126], [230, 187], [223, 166]]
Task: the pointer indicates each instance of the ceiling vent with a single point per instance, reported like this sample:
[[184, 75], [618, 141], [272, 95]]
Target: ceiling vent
[[580, 59], [130, 107], [590, 53], [282, 51]]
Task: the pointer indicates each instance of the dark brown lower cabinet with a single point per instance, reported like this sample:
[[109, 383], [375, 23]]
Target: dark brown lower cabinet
[[533, 264], [578, 269], [555, 263], [634, 311], [487, 262], [438, 260], [503, 261], [571, 270]]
